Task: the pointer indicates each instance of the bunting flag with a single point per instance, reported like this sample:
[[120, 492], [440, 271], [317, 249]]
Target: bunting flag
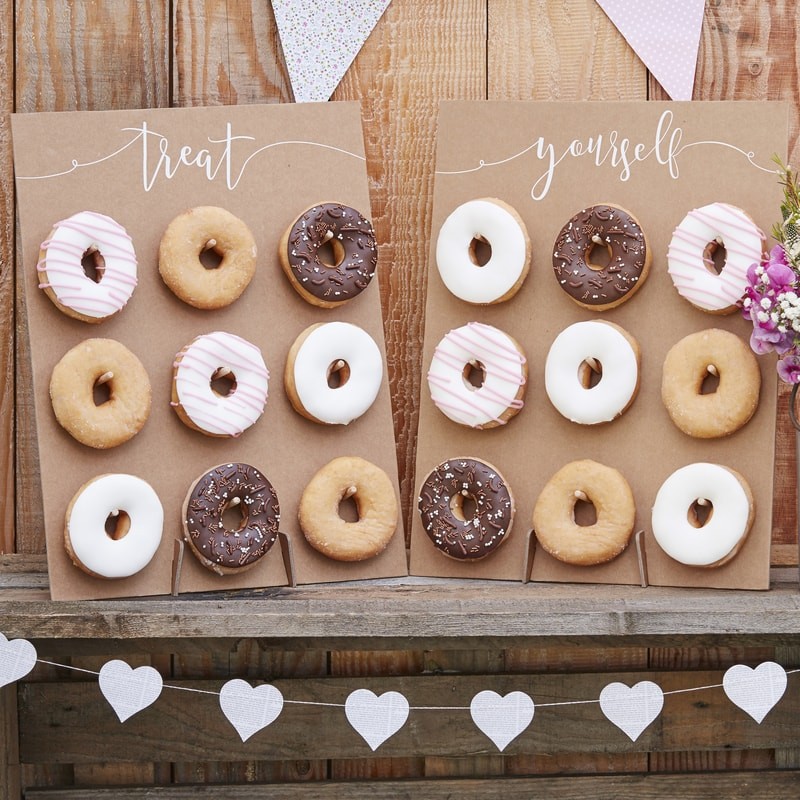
[[321, 39], [665, 35]]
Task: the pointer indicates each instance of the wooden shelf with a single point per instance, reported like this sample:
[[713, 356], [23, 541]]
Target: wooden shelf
[[401, 612]]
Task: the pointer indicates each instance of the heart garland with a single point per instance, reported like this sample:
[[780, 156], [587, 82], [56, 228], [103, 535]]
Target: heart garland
[[128, 690], [755, 691], [502, 719], [632, 708], [17, 659], [376, 718], [250, 709]]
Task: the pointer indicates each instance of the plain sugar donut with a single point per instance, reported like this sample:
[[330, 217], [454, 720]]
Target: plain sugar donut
[[192, 233], [579, 350], [504, 370], [554, 514], [93, 363], [498, 225], [691, 249], [88, 234], [675, 524], [322, 350], [441, 505], [687, 366], [372, 492], [137, 535]]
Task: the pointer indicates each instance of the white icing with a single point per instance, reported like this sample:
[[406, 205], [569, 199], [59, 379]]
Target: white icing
[[481, 219], [505, 374], [231, 414], [727, 525], [64, 275], [617, 385], [743, 242], [94, 548], [324, 346]]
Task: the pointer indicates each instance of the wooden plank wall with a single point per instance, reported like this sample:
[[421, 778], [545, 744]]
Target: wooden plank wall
[[91, 54]]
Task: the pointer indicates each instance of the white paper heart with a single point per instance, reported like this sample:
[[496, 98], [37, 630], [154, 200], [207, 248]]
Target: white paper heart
[[17, 659], [250, 709], [376, 718], [755, 691], [129, 690], [502, 719], [632, 708]]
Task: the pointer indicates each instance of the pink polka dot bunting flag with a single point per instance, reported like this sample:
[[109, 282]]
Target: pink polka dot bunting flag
[[665, 34], [321, 39]]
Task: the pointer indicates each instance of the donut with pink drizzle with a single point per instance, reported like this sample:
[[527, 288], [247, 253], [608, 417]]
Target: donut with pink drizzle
[[220, 384], [105, 246], [477, 376], [690, 256]]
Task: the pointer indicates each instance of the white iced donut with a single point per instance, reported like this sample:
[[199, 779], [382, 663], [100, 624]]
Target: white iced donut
[[88, 234], [496, 224], [590, 347], [213, 356], [691, 250], [502, 369], [135, 535], [337, 349], [675, 522]]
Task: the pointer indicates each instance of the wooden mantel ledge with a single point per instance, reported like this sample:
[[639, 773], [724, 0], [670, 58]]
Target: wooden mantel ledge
[[408, 611]]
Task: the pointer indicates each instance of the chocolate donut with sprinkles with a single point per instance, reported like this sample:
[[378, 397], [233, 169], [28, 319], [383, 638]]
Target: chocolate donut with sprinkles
[[349, 240], [466, 487], [592, 285], [219, 548]]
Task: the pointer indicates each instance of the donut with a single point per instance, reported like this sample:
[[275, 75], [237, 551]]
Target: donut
[[477, 348], [691, 249], [113, 526], [461, 487], [374, 496], [682, 534], [557, 530], [497, 225], [689, 363], [192, 233], [331, 350], [107, 367], [353, 247], [230, 550], [88, 237], [596, 228], [584, 348], [214, 356]]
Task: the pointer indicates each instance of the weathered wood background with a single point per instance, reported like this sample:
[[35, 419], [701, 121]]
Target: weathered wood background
[[99, 54]]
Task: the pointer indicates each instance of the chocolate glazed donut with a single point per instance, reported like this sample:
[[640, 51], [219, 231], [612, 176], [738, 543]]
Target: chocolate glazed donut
[[352, 241], [441, 506], [602, 227], [237, 485]]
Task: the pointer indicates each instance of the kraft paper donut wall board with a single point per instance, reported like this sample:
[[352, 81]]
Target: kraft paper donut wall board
[[548, 161], [266, 165]]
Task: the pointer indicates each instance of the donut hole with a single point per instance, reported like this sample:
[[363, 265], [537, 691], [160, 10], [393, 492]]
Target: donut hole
[[714, 256], [474, 375], [584, 512], [599, 255], [101, 389], [480, 251], [223, 382], [234, 515], [93, 264], [590, 372], [710, 380], [331, 253], [338, 374], [211, 256], [464, 507], [117, 525], [700, 513]]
